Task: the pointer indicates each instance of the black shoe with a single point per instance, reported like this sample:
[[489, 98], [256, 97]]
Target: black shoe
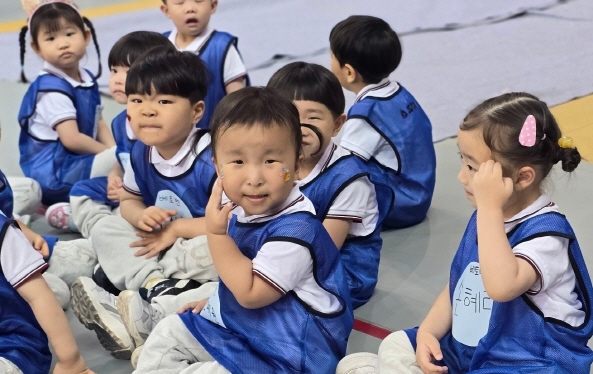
[[100, 278], [170, 286]]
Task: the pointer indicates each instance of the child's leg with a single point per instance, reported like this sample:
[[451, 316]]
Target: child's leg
[[71, 259], [171, 348], [189, 259], [103, 163], [27, 195], [86, 212], [7, 367], [396, 355]]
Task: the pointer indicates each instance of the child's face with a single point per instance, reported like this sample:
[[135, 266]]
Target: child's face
[[190, 17], [63, 48], [473, 152], [163, 121], [117, 83], [256, 166], [318, 115]]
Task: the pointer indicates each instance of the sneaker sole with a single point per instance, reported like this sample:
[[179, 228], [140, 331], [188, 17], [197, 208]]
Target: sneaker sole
[[123, 302], [87, 313]]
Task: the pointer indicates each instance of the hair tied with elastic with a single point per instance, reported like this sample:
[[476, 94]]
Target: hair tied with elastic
[[566, 142]]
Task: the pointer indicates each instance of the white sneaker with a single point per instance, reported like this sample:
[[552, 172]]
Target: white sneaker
[[136, 356], [139, 317], [96, 309], [359, 363]]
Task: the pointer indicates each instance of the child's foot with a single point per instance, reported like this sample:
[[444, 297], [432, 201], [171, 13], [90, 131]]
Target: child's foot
[[358, 363], [139, 317], [96, 309], [58, 216], [172, 286]]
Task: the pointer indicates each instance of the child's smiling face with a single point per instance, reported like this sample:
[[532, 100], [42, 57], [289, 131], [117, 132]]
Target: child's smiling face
[[319, 116]]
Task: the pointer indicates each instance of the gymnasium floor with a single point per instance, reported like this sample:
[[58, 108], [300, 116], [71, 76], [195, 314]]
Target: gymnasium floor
[[415, 261]]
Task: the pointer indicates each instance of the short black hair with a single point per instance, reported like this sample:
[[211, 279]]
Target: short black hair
[[367, 43], [131, 46], [170, 72], [256, 106], [311, 82]]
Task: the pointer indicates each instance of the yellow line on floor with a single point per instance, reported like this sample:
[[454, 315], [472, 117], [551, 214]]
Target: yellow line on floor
[[102, 11], [575, 118]]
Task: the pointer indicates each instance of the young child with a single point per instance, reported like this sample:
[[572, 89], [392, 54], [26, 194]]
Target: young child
[[333, 179], [63, 136], [90, 199], [166, 190], [193, 33], [282, 304], [519, 295], [30, 312], [386, 126]]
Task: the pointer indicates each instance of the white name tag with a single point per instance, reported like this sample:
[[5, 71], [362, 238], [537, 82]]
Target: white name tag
[[168, 200], [211, 310]]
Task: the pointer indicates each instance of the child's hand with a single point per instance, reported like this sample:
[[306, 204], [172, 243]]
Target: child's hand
[[216, 217], [491, 189], [154, 218], [75, 367], [428, 349], [154, 242], [195, 306], [40, 245], [114, 187]]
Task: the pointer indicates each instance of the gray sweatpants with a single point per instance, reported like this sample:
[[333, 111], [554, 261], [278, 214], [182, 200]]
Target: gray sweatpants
[[186, 259], [27, 195], [7, 367], [172, 349], [169, 304]]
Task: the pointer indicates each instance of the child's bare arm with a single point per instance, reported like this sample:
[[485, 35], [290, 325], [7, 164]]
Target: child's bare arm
[[131, 207], [337, 230], [104, 134], [77, 142], [235, 85], [35, 239], [53, 321]]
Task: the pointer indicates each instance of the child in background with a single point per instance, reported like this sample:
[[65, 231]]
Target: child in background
[[518, 256], [92, 198], [166, 190], [336, 181], [193, 33], [63, 136], [386, 126], [282, 304], [30, 312]]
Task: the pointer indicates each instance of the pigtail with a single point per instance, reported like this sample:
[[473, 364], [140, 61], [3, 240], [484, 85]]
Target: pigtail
[[569, 157], [23, 46], [88, 23]]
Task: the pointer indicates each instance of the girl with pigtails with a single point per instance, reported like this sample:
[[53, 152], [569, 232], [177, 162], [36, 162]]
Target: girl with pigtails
[[63, 136]]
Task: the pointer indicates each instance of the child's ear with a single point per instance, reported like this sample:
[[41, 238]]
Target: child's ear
[[338, 123], [197, 111], [35, 48], [165, 10], [214, 4], [351, 74], [525, 177]]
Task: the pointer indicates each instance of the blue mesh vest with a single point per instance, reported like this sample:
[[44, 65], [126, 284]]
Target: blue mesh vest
[[360, 255], [286, 336], [22, 341], [403, 124], [96, 188], [48, 161], [213, 54], [519, 339], [187, 193]]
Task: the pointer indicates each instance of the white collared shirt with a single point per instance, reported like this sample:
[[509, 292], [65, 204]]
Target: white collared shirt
[[181, 162], [233, 64], [359, 137], [20, 261], [287, 266], [553, 293], [53, 108], [356, 203]]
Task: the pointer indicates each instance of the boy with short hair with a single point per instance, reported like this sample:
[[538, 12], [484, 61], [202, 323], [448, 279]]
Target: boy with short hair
[[386, 126], [217, 49]]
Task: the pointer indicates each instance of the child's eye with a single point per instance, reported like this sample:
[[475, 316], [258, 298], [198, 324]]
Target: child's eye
[[136, 101], [314, 118], [238, 162], [50, 39], [114, 71], [470, 168], [270, 161], [70, 34], [165, 102]]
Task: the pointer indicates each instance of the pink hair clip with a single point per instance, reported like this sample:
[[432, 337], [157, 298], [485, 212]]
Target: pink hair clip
[[528, 132]]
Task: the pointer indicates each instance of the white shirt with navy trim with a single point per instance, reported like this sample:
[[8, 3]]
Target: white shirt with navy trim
[[53, 108], [553, 293], [359, 137], [356, 203], [287, 266], [20, 261], [233, 64]]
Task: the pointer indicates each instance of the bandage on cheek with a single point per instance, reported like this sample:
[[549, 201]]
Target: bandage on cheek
[[220, 172], [285, 174]]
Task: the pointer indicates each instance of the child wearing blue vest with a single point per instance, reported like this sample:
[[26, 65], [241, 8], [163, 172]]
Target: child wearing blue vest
[[217, 49], [158, 244], [336, 181], [282, 303], [386, 127], [519, 295], [30, 313], [92, 198], [63, 136]]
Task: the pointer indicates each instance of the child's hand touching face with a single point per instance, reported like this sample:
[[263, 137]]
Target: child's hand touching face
[[217, 216], [491, 189]]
